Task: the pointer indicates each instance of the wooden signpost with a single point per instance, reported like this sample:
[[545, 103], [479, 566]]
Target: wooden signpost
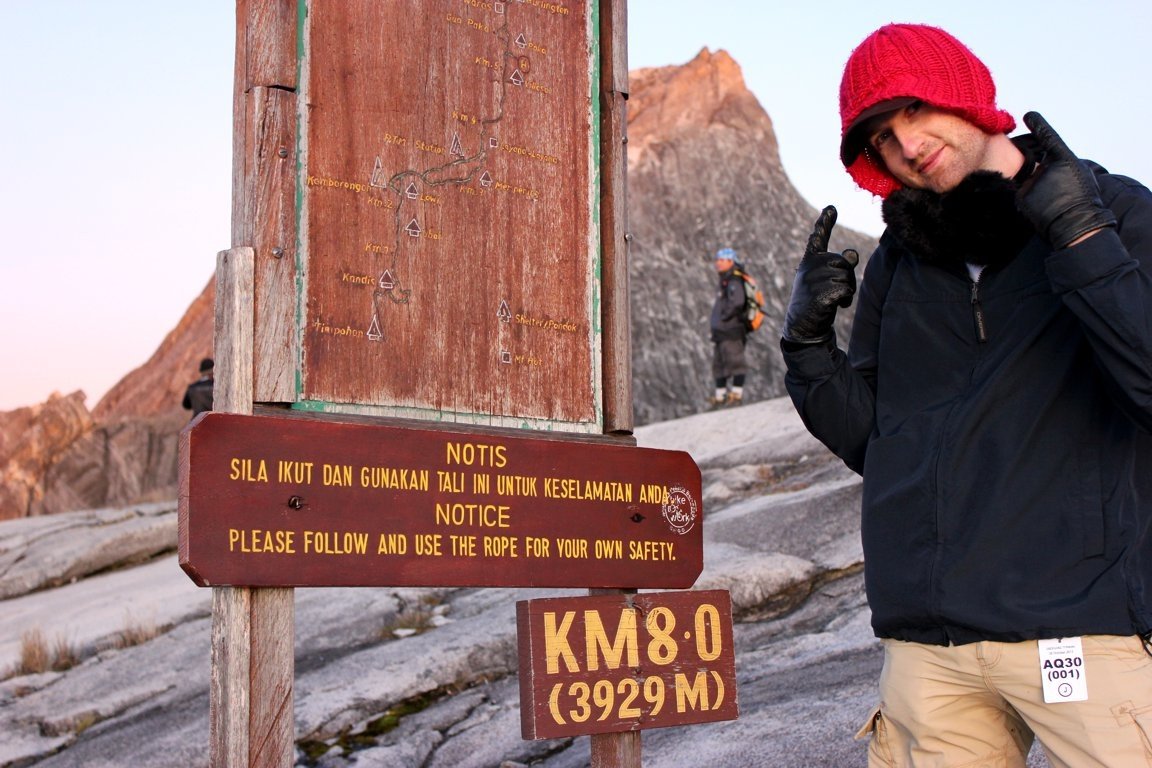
[[423, 362]]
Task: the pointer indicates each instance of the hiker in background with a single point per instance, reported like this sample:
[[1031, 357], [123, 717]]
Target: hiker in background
[[729, 333], [198, 395], [996, 396]]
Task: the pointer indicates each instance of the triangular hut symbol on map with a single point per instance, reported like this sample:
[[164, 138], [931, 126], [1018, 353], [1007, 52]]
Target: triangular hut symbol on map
[[374, 333], [379, 178]]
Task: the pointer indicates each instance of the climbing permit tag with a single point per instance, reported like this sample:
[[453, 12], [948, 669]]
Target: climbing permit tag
[[1062, 670]]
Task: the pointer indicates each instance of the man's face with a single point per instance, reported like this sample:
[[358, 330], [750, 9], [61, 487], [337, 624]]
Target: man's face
[[925, 147], [723, 265]]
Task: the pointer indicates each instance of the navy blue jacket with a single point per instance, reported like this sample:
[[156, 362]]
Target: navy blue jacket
[[1006, 490]]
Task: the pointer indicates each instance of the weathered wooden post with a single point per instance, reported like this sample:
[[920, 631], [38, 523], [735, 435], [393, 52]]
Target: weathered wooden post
[[424, 358], [615, 750], [614, 236], [252, 629]]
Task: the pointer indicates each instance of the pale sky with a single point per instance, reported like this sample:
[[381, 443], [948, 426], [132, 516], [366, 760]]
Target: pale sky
[[116, 129]]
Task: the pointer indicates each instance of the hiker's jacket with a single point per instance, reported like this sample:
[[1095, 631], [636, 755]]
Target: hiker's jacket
[[1002, 428], [727, 319]]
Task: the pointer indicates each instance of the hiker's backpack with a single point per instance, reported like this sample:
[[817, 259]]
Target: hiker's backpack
[[753, 300]]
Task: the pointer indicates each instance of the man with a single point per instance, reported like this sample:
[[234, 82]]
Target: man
[[996, 397], [198, 395], [729, 333]]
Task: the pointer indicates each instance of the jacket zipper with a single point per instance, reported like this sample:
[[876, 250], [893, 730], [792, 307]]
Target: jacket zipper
[[978, 313]]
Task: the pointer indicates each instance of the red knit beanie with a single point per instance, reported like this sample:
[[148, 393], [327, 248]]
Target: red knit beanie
[[911, 61]]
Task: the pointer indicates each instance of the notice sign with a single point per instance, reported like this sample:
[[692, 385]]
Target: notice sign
[[271, 501], [449, 210], [612, 663]]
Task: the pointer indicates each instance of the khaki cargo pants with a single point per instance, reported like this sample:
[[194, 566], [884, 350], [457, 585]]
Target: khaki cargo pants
[[980, 705]]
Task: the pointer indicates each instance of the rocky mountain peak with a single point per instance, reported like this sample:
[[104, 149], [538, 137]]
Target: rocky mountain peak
[[707, 93]]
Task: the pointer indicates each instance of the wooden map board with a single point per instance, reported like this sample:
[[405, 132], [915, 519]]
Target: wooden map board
[[449, 247]]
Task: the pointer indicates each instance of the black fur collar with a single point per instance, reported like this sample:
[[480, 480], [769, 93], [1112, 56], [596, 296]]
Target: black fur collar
[[976, 223]]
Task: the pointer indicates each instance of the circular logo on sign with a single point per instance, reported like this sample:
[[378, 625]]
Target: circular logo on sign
[[679, 510]]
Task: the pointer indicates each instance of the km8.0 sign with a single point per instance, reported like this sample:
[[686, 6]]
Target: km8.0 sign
[[612, 663]]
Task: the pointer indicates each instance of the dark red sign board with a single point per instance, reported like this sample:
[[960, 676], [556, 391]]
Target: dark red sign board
[[272, 501], [625, 662]]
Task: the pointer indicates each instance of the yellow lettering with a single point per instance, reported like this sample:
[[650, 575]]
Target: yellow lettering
[[320, 181], [450, 482], [245, 469], [516, 485], [596, 640], [476, 453], [337, 474], [536, 547], [651, 550], [295, 472], [483, 515], [609, 549], [428, 544], [463, 546], [388, 477], [336, 542], [574, 548], [653, 493], [691, 695], [392, 544], [256, 540], [556, 644], [357, 279], [500, 546]]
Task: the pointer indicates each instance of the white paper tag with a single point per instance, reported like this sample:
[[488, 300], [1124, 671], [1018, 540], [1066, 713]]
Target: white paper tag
[[1062, 670]]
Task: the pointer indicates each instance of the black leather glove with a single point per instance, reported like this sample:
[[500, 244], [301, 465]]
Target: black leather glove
[[1061, 198], [824, 281]]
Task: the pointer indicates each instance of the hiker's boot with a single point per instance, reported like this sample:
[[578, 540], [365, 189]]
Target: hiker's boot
[[716, 401], [734, 398]]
